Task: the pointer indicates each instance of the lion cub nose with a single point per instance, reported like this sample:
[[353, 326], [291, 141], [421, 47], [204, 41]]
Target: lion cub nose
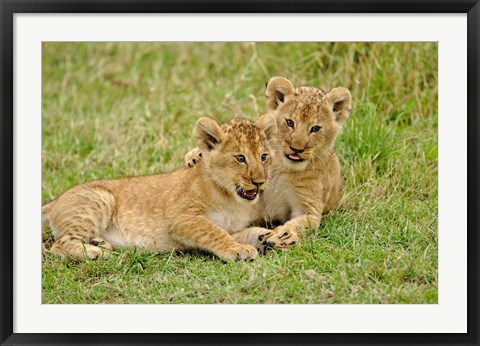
[[258, 183], [295, 150]]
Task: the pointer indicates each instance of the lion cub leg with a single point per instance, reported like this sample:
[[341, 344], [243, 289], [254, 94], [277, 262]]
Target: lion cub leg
[[199, 232], [79, 217]]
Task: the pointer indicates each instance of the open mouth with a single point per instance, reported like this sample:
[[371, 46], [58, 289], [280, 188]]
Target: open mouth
[[246, 194], [294, 157]]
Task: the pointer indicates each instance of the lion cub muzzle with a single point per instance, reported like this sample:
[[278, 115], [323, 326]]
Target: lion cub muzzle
[[296, 153], [250, 193], [256, 183], [246, 194]]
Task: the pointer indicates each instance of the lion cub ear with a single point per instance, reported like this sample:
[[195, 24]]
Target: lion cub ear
[[268, 124], [208, 133], [340, 101], [277, 89]]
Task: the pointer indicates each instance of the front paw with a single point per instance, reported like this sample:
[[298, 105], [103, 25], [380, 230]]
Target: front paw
[[238, 252], [283, 237], [192, 157], [257, 238]]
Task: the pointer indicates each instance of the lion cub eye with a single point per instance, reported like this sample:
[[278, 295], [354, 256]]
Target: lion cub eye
[[315, 129], [240, 158], [264, 157], [290, 123]]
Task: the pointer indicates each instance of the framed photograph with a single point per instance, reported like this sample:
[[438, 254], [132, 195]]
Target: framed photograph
[[239, 172]]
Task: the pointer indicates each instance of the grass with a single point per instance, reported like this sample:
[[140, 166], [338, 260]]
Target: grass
[[117, 109]]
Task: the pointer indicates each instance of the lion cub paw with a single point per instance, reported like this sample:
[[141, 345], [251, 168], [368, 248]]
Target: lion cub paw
[[102, 243], [240, 252], [254, 236], [79, 251], [192, 157], [94, 252], [283, 237], [262, 237]]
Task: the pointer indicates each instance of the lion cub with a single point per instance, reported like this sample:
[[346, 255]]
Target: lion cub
[[305, 177], [306, 173], [206, 207]]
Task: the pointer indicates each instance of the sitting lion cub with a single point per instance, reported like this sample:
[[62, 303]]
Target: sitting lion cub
[[206, 207], [305, 178]]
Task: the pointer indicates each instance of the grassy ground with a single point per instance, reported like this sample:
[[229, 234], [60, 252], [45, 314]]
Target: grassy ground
[[116, 109]]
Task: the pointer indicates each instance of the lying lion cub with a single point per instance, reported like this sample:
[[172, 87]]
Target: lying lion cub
[[305, 180], [205, 207]]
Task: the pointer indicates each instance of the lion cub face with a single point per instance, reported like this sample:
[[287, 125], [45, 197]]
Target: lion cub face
[[237, 155], [308, 119]]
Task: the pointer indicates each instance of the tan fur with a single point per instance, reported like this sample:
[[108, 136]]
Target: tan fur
[[197, 208], [298, 193]]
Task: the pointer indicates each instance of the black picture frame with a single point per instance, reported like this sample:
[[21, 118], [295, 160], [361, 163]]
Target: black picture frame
[[9, 8]]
